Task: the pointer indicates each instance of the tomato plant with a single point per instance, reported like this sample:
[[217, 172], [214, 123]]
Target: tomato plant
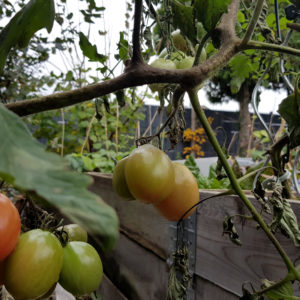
[[149, 174], [184, 195], [10, 226], [75, 232], [119, 181], [82, 269], [34, 266]]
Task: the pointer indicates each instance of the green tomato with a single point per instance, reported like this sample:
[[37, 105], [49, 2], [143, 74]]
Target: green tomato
[[179, 41], [161, 63], [203, 53], [75, 232], [185, 63], [119, 181], [149, 174], [82, 269], [34, 266]]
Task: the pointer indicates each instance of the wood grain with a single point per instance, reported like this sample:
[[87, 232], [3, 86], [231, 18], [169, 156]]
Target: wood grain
[[138, 266], [227, 265]]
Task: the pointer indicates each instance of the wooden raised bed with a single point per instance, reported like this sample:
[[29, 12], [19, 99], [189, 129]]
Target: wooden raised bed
[[138, 266]]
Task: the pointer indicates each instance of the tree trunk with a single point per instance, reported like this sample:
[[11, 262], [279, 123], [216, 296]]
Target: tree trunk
[[244, 97]]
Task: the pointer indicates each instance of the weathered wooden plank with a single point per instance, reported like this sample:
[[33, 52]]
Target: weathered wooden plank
[[206, 290], [140, 221], [227, 265], [109, 291], [137, 272]]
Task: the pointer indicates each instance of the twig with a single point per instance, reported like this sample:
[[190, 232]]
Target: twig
[[253, 22], [63, 131], [88, 133]]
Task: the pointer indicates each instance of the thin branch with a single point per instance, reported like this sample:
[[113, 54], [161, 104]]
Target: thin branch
[[270, 47], [253, 22], [136, 43]]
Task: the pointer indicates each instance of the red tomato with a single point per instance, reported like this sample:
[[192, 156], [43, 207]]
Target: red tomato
[[34, 266], [149, 174], [82, 269], [10, 226], [185, 194]]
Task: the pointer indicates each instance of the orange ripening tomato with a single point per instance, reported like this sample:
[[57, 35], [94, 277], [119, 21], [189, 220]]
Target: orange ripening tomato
[[149, 174], [10, 226], [185, 194]]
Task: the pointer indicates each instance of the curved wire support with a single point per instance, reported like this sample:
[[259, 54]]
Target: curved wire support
[[254, 100], [281, 64]]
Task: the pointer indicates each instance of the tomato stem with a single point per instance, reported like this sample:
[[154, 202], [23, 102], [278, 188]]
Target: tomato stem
[[235, 185]]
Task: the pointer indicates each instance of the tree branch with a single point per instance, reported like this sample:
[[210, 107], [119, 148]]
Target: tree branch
[[137, 74], [136, 43], [253, 22]]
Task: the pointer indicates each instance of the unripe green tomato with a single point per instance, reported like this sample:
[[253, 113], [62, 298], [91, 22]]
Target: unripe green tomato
[[179, 41], [34, 266], [119, 181], [149, 174], [75, 232], [82, 270], [186, 63], [161, 63]]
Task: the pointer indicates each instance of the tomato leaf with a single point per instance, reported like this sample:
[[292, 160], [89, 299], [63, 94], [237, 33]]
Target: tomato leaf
[[289, 109], [35, 15], [209, 12], [284, 291], [25, 164], [181, 14], [89, 50]]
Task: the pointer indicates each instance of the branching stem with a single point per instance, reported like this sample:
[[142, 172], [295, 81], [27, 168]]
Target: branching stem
[[235, 185]]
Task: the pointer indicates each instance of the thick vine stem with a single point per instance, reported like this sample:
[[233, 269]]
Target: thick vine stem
[[136, 44], [253, 22], [235, 185]]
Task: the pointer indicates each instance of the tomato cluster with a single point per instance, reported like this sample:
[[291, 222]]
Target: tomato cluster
[[33, 262], [148, 175]]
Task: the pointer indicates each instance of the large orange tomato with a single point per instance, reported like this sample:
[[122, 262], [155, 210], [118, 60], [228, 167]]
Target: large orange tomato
[[119, 181], [10, 226], [149, 174], [185, 194]]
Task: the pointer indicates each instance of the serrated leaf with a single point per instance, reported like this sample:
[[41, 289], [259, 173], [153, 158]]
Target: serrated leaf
[[284, 291], [89, 50], [25, 164], [182, 13], [35, 15], [209, 12], [289, 109]]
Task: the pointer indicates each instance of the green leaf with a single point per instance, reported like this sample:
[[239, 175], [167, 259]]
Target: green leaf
[[209, 12], [89, 50], [241, 68], [182, 13], [284, 291], [289, 109], [35, 15], [25, 164]]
